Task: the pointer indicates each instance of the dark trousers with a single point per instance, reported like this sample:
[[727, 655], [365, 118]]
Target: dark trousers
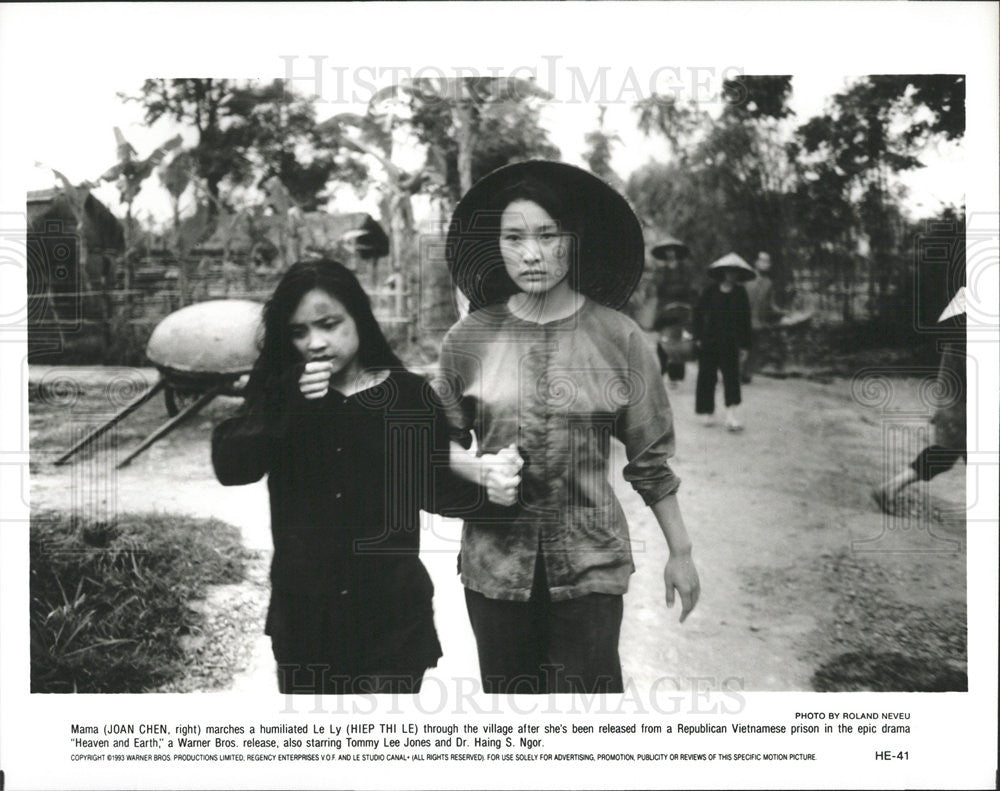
[[541, 646], [935, 459], [314, 679], [711, 360]]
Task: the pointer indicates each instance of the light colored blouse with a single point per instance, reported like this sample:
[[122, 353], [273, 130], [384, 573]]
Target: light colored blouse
[[559, 391]]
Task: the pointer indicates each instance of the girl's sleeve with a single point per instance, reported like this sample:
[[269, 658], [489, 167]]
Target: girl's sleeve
[[240, 449], [646, 426], [451, 495], [241, 445]]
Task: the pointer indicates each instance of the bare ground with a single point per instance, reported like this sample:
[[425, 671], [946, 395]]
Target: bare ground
[[805, 584]]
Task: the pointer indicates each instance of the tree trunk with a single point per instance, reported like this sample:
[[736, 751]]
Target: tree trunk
[[406, 262], [465, 139]]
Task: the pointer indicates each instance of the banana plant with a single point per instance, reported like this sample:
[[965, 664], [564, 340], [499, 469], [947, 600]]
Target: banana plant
[[129, 172]]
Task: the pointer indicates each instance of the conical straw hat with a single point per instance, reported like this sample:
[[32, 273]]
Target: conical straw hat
[[609, 253], [663, 243], [717, 269], [956, 307]]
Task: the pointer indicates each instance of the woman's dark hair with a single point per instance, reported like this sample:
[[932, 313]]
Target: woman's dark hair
[[558, 205], [278, 355]]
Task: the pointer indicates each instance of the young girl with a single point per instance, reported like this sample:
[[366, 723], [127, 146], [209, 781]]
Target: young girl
[[721, 331], [545, 363], [353, 446]]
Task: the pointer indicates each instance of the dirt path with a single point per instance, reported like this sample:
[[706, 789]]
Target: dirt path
[[770, 509], [799, 571]]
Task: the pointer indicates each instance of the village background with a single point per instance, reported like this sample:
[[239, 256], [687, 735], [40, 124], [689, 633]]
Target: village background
[[226, 182], [255, 180], [806, 585]]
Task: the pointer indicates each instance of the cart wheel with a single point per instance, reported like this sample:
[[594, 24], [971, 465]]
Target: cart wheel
[[176, 400]]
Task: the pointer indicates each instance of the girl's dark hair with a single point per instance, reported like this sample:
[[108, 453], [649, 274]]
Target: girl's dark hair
[[278, 355]]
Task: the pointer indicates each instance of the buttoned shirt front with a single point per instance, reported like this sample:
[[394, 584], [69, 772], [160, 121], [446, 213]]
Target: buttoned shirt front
[[560, 392]]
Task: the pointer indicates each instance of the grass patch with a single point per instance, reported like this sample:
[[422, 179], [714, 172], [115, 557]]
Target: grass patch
[[109, 602]]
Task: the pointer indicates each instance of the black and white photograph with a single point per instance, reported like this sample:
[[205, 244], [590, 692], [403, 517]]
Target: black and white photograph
[[498, 395]]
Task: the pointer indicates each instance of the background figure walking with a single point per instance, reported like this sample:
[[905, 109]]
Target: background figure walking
[[764, 312], [674, 299], [949, 419], [722, 337], [661, 304]]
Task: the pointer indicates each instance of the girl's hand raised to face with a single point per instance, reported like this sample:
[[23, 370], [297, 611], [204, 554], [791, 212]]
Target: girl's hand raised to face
[[315, 379]]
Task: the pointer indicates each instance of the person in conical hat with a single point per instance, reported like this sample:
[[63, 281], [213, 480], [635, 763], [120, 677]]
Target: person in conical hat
[[722, 336], [675, 297], [949, 418], [662, 304], [535, 380], [664, 280], [667, 247], [731, 265]]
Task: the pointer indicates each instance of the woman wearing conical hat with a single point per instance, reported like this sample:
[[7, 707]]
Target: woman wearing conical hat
[[722, 336], [675, 296], [544, 371]]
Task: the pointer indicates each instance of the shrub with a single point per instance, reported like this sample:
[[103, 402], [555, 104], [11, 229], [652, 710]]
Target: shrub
[[109, 600]]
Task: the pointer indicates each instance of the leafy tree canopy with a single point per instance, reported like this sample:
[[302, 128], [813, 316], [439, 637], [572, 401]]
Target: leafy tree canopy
[[751, 97], [247, 132]]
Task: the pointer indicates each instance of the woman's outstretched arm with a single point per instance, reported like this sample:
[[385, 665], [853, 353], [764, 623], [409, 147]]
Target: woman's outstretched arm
[[680, 574], [646, 428]]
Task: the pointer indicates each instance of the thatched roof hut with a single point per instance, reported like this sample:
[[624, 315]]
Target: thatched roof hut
[[349, 236], [51, 207], [72, 248]]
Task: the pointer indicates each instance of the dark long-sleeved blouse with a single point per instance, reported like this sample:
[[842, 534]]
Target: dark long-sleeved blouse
[[559, 391], [347, 477], [722, 318]]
